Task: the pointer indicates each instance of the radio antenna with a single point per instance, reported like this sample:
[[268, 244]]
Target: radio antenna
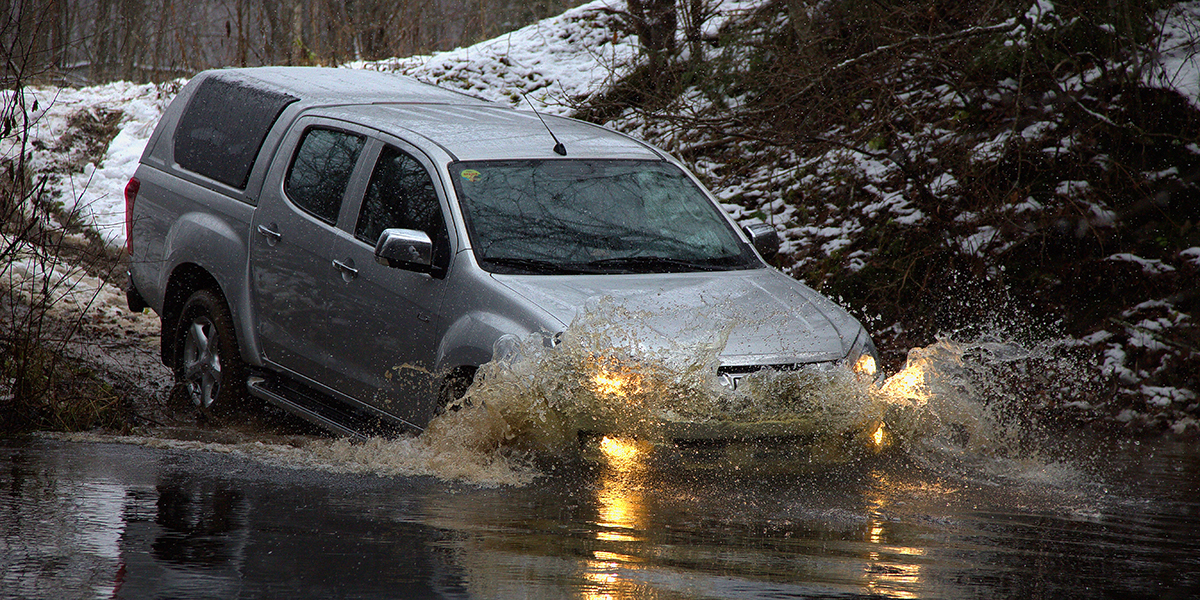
[[559, 148]]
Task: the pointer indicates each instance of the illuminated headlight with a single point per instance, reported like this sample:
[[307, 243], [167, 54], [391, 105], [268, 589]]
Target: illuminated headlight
[[863, 359], [612, 378]]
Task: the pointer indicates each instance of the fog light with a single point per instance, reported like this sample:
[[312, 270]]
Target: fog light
[[878, 436], [619, 450], [609, 384], [865, 365], [612, 379]]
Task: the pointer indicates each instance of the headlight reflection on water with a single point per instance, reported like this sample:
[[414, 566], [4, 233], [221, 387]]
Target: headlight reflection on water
[[621, 518], [620, 499], [891, 570]]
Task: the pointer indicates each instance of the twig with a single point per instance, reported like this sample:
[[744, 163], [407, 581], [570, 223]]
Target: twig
[[1009, 25], [1155, 335]]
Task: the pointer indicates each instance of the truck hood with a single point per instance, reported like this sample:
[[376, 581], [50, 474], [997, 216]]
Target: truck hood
[[770, 318]]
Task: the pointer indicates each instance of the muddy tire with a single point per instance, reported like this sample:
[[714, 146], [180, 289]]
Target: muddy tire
[[454, 386], [208, 363]]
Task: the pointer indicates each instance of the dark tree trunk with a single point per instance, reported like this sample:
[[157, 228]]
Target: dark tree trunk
[[654, 22]]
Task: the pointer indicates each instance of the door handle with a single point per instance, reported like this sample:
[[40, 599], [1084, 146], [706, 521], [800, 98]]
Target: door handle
[[272, 236], [348, 272]]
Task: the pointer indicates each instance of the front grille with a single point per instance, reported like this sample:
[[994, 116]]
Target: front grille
[[731, 376]]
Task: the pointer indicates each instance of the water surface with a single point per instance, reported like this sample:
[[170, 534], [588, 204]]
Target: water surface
[[122, 520]]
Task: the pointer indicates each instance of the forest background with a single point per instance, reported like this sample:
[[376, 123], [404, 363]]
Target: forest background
[[93, 41]]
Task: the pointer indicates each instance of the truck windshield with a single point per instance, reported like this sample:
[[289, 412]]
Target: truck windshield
[[593, 216]]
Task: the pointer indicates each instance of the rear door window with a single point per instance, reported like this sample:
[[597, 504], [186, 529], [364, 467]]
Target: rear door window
[[223, 127], [321, 170]]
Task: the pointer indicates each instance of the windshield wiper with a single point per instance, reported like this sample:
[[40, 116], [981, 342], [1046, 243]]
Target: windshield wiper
[[623, 264], [656, 264], [528, 266]]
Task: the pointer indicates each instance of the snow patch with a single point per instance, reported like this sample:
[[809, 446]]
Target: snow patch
[[551, 62], [942, 184], [1039, 17], [1072, 189], [1175, 63], [1191, 255], [98, 191], [1150, 266], [1163, 397], [69, 293], [976, 242], [1185, 425], [1029, 205]]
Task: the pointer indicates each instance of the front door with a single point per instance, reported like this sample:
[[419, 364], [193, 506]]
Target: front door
[[326, 310], [396, 312]]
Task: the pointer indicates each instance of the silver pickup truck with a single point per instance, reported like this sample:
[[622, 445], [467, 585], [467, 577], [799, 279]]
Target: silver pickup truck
[[302, 232]]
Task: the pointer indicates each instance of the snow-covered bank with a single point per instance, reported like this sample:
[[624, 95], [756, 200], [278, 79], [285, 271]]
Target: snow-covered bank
[[1175, 60], [553, 62], [59, 136]]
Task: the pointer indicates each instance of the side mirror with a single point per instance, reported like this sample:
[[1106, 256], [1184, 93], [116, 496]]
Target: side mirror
[[405, 249], [764, 238]]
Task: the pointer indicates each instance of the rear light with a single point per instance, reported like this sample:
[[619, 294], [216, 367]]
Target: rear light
[[131, 192]]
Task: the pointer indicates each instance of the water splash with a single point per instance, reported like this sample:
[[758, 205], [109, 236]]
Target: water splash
[[603, 378], [978, 407], [965, 407], [960, 408], [408, 456]]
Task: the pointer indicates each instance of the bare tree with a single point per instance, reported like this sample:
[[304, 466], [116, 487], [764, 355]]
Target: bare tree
[[655, 23]]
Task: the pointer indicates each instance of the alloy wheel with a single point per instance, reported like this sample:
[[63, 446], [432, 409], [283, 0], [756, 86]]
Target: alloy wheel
[[202, 361]]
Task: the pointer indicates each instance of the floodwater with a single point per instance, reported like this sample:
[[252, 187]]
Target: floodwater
[[118, 520], [951, 493]]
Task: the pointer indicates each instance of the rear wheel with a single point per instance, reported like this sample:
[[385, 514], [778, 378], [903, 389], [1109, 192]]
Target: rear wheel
[[208, 364]]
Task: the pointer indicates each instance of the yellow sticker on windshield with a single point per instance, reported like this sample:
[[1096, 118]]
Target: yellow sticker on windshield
[[470, 175]]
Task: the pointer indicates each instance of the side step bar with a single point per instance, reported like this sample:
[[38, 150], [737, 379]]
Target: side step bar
[[333, 416]]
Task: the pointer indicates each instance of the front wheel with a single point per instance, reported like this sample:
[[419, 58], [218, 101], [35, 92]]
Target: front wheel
[[208, 364], [454, 387]]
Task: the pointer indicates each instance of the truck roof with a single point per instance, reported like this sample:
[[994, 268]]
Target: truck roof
[[465, 127], [494, 132], [323, 85]]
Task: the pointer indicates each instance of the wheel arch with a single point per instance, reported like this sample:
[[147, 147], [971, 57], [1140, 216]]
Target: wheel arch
[[455, 383], [185, 280], [467, 343]]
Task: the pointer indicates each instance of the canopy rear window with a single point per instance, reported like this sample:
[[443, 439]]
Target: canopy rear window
[[223, 128]]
